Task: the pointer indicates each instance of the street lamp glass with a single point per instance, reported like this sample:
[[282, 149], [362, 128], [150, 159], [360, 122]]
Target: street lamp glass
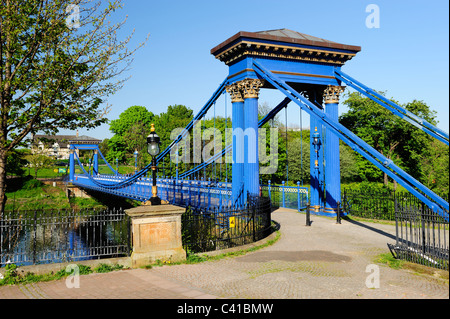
[[153, 149], [315, 138]]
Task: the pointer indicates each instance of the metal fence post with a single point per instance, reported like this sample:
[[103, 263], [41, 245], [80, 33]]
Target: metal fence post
[[338, 213], [219, 189], [35, 236], [209, 192], [284, 205], [308, 215], [174, 191], [189, 190], [129, 244], [181, 193], [422, 217]]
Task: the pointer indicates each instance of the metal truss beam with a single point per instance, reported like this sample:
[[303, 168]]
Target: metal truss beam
[[432, 200]]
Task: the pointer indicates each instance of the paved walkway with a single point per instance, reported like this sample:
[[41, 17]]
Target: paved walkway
[[323, 261]]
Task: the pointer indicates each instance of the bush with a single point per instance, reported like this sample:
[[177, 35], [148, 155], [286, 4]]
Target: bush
[[32, 183]]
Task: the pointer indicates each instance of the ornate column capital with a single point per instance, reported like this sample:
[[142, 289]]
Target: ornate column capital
[[235, 92], [251, 88], [331, 93]]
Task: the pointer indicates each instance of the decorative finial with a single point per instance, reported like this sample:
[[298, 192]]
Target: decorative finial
[[152, 129]]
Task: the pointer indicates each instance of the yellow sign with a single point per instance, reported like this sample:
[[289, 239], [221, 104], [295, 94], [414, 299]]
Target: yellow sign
[[232, 221], [55, 170]]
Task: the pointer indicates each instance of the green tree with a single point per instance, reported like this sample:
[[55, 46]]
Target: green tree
[[348, 162], [38, 160], [136, 137], [390, 135], [176, 117], [436, 168], [58, 61], [130, 132], [104, 148], [298, 157], [16, 162]]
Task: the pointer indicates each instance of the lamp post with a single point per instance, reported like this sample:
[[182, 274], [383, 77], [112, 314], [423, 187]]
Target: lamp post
[[316, 142], [135, 161], [153, 142]]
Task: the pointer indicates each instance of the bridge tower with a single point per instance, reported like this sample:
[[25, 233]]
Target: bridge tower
[[83, 143], [307, 64]]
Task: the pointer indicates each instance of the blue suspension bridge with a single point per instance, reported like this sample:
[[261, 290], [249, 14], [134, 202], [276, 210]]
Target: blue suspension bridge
[[307, 71]]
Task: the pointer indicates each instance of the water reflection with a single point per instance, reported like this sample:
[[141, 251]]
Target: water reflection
[[49, 237]]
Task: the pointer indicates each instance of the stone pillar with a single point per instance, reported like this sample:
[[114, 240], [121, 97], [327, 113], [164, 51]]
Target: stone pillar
[[237, 120], [156, 234], [332, 156], [251, 160]]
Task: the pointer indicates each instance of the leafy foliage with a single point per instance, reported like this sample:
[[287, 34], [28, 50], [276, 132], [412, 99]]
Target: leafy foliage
[[130, 132], [55, 75], [410, 148]]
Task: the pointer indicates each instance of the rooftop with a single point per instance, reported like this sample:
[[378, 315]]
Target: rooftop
[[283, 43], [289, 36], [64, 140]]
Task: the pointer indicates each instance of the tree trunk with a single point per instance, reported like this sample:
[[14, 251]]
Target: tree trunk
[[2, 182], [386, 180]]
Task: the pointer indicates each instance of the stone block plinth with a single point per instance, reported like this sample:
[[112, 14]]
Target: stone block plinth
[[156, 234]]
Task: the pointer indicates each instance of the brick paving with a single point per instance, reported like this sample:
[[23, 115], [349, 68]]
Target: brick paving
[[323, 261]]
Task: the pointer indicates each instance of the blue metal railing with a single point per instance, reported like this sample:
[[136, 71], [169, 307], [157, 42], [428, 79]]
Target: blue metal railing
[[295, 197], [196, 193]]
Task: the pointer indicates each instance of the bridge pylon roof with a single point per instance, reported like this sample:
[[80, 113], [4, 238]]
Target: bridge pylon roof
[[296, 57]]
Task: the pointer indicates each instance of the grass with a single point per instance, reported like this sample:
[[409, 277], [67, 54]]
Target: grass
[[13, 277], [35, 195], [389, 260], [51, 172], [39, 197], [417, 269]]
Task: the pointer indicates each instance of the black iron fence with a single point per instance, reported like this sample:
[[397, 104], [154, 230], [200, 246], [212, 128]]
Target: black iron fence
[[377, 203], [422, 236], [47, 236], [207, 230], [374, 204], [51, 236]]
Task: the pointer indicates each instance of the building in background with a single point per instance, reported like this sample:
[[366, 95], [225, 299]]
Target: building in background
[[57, 146]]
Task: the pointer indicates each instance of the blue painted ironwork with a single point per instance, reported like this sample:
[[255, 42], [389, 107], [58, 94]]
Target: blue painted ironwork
[[393, 107], [432, 200], [295, 197], [253, 63]]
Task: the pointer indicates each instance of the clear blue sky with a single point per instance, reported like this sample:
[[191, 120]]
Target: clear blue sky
[[407, 56]]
